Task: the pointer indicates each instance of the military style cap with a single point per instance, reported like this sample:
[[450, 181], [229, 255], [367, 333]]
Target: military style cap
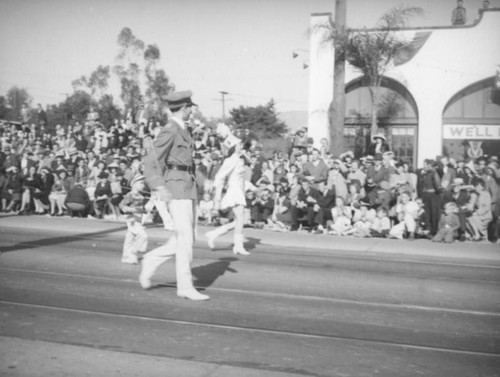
[[179, 99]]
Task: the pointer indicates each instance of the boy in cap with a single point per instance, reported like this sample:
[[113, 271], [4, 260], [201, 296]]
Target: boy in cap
[[132, 205], [168, 167], [448, 224]]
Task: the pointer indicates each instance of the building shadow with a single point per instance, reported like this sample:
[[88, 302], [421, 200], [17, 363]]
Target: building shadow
[[58, 240]]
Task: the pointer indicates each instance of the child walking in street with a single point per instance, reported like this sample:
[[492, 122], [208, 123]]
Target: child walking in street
[[136, 239]]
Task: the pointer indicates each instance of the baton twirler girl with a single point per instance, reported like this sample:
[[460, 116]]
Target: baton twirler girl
[[232, 171]]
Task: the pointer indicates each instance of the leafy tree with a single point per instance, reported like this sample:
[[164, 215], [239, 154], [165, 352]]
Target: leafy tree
[[371, 52], [157, 81], [4, 108], [76, 106], [16, 97], [128, 68], [262, 120], [108, 110], [96, 84]]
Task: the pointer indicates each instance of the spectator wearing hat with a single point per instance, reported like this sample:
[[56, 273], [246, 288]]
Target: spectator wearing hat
[[448, 224], [461, 197], [58, 162], [42, 192], [490, 179], [58, 193], [481, 213], [12, 189], [299, 140], [99, 168], [168, 167], [263, 208], [378, 145], [380, 170], [102, 194], [336, 180], [429, 187], [31, 180], [354, 196], [401, 180]]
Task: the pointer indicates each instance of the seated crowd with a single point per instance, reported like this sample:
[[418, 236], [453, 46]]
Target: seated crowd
[[90, 171]]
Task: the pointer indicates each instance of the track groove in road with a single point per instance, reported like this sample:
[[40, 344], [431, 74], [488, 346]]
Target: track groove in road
[[254, 329], [272, 294]]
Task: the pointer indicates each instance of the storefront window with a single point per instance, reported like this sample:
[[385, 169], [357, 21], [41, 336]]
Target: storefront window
[[471, 123]]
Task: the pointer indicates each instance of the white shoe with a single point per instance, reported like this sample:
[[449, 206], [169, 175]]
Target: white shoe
[[211, 239], [192, 294], [169, 226], [130, 260], [145, 282], [240, 251], [238, 247]]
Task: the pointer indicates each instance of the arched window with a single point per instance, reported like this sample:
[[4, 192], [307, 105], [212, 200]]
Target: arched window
[[397, 118]]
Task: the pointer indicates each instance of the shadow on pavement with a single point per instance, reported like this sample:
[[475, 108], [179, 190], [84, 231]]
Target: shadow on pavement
[[57, 240], [252, 243], [206, 275]]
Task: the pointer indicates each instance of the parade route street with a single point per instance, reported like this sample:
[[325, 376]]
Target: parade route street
[[299, 305]]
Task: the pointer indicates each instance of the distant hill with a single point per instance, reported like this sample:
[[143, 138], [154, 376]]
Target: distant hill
[[294, 119]]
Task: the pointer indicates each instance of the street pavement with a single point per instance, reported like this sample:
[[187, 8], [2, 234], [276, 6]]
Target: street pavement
[[300, 305]]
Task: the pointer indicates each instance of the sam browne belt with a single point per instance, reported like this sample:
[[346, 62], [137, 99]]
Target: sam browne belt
[[189, 169]]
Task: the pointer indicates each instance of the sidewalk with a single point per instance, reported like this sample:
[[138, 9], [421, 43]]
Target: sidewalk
[[367, 246]]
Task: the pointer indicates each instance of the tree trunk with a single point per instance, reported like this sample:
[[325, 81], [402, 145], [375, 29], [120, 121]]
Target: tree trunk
[[374, 110], [337, 107]]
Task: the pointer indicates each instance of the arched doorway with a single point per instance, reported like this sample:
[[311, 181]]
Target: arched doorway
[[471, 122], [397, 119]]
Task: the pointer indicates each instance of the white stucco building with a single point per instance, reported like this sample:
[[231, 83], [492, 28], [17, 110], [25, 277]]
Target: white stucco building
[[445, 92]]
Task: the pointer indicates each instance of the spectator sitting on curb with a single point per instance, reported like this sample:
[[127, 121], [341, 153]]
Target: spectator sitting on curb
[[78, 202], [448, 224]]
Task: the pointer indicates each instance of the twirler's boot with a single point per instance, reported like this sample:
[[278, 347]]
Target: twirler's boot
[[213, 234], [238, 247]]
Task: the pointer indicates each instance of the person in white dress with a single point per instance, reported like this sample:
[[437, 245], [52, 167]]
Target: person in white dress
[[232, 171]]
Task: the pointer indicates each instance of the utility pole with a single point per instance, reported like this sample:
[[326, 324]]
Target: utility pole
[[223, 105], [337, 107]]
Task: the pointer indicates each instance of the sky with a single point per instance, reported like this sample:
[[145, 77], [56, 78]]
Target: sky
[[243, 47]]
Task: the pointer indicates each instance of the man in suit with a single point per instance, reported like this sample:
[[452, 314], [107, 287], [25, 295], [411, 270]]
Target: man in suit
[[169, 172]]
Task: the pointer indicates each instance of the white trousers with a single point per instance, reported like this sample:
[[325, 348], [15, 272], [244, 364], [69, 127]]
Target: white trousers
[[136, 240], [180, 244]]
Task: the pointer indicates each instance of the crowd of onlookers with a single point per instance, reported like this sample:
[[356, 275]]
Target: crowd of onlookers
[[87, 170]]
